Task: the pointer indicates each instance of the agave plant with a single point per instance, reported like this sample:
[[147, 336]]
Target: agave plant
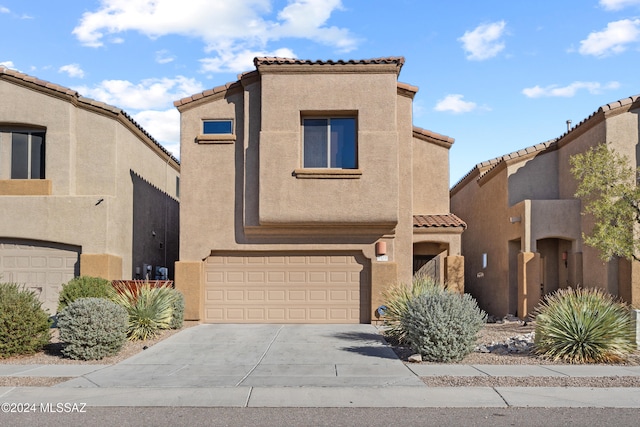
[[396, 299], [583, 326], [150, 308]]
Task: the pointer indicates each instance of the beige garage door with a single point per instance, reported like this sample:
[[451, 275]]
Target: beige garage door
[[42, 267], [285, 288]]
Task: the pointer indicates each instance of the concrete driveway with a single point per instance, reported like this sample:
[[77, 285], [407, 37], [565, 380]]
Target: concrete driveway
[[207, 356]]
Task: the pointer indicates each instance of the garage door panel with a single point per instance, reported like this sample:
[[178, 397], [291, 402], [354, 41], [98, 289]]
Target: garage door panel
[[41, 266], [284, 288]]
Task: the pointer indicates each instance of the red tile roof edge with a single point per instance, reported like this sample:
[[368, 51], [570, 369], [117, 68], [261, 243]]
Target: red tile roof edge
[[83, 100], [438, 221]]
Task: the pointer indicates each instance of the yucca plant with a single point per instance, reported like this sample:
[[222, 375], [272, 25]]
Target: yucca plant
[[583, 326], [150, 308], [396, 299]]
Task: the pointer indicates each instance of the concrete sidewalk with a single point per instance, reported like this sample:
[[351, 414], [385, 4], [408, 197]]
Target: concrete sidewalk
[[299, 366]]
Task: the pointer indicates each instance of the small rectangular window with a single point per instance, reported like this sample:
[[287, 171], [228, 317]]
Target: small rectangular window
[[217, 127], [329, 143]]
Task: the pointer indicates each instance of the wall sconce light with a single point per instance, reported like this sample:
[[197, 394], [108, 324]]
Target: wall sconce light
[[381, 248], [565, 256], [484, 261]]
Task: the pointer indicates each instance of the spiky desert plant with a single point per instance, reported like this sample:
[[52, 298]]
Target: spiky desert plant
[[396, 299], [583, 326], [150, 308]]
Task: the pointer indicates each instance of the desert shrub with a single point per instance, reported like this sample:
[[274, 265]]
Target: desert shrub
[[583, 326], [396, 299], [24, 324], [83, 287], [92, 328], [150, 309], [177, 316], [442, 326]]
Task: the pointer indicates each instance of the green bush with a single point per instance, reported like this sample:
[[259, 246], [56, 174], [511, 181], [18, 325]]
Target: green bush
[[92, 328], [395, 307], [583, 326], [24, 324], [442, 326], [150, 309], [177, 316], [83, 287]]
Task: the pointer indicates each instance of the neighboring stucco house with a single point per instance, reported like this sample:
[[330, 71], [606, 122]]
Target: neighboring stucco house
[[306, 191], [84, 190], [525, 227]]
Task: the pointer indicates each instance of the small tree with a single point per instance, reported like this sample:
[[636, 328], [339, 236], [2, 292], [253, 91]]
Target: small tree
[[607, 185]]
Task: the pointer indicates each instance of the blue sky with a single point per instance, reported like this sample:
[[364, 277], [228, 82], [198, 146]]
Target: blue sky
[[496, 75]]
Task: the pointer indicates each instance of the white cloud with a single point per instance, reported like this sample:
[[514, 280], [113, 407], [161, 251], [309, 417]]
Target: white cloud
[[455, 104], [239, 61], [484, 41], [618, 4], [568, 91], [8, 64], [164, 126], [227, 28], [611, 40], [148, 94], [73, 70], [4, 10], [164, 57]]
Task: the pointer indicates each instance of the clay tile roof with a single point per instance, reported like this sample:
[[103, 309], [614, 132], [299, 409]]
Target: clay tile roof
[[273, 60], [438, 221], [79, 99]]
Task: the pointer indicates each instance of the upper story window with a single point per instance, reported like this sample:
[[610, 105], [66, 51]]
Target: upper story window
[[329, 142], [22, 154], [217, 127]]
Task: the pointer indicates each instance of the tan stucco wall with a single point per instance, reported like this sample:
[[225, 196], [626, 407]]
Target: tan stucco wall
[[90, 153], [487, 232], [242, 193], [537, 192]]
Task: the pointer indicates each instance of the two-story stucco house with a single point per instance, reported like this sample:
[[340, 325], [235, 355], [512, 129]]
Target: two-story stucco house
[[84, 190], [525, 227], [306, 191]]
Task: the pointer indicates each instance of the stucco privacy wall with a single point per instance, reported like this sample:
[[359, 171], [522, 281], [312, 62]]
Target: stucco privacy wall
[[522, 213], [91, 151], [246, 196]]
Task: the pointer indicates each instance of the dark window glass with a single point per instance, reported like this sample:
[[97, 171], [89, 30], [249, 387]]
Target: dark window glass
[[20, 155], [37, 156], [27, 155], [343, 143], [315, 143], [330, 143], [217, 127]]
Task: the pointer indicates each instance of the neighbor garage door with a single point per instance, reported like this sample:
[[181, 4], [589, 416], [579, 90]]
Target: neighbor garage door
[[285, 288], [42, 267]]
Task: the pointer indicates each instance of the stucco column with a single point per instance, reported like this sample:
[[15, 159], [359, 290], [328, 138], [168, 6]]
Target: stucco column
[[454, 270], [383, 275], [575, 269], [634, 297], [529, 281], [189, 279], [101, 265]]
